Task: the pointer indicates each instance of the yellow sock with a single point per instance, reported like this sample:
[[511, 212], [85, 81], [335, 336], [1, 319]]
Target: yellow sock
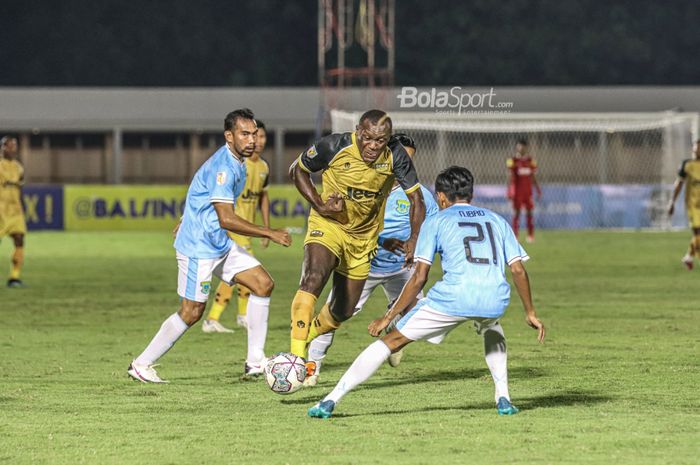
[[322, 324], [302, 312], [17, 261], [243, 294], [223, 296]]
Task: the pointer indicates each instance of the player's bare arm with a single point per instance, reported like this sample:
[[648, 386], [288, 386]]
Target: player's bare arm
[[522, 284], [331, 208], [394, 245], [408, 295], [265, 212], [417, 216], [537, 186], [677, 187], [229, 221]]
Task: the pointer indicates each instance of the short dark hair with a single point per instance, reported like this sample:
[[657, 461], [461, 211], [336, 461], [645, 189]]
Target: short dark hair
[[376, 117], [403, 139], [242, 113], [7, 139], [260, 124], [456, 182], [522, 141]]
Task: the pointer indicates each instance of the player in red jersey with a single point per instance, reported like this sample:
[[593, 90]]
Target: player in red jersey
[[522, 168]]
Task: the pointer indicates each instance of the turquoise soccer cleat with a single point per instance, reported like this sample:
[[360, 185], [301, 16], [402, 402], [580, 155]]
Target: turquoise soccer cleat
[[505, 407], [323, 409]]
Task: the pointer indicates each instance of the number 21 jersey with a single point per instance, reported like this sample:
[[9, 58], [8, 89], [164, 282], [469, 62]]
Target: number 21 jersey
[[475, 244]]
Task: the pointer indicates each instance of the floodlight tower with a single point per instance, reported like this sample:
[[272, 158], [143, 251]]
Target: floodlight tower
[[356, 48]]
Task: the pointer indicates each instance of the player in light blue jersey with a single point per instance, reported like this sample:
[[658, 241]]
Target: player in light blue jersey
[[388, 268], [475, 245], [204, 249]]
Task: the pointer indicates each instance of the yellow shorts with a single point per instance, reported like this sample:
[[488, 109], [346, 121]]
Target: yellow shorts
[[354, 254], [694, 217], [243, 241], [12, 224]]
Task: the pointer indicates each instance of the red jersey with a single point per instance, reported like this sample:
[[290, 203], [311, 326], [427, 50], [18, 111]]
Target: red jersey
[[522, 169]]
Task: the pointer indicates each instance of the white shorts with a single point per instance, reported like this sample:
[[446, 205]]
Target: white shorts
[[426, 323], [392, 284], [194, 274]]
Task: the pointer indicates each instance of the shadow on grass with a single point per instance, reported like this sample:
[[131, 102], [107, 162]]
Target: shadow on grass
[[428, 377], [551, 400]]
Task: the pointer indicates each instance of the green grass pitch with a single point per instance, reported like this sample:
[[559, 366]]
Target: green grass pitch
[[615, 383]]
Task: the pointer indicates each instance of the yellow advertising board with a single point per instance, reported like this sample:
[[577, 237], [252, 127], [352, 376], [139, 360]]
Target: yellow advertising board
[[159, 207]]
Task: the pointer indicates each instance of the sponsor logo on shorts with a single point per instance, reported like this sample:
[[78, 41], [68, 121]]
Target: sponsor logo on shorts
[[221, 178], [316, 233], [206, 287], [301, 324]]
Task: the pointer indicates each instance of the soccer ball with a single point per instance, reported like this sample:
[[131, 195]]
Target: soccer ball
[[285, 373]]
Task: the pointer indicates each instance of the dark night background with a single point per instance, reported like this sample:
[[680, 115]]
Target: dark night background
[[273, 43]]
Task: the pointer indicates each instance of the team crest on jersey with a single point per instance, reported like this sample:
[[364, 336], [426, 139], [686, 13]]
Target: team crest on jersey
[[311, 152], [346, 165], [206, 287], [221, 178], [402, 206]]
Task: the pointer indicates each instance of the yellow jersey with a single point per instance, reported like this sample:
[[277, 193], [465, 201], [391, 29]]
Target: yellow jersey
[[11, 180], [256, 181], [364, 186], [690, 172]]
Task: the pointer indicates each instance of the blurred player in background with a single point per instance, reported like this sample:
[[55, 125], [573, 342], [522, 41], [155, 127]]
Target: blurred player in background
[[388, 269], [346, 217], [12, 222], [475, 245], [522, 169], [254, 196], [204, 249], [689, 175]]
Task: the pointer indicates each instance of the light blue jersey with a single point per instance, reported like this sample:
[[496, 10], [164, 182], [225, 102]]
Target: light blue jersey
[[475, 245], [397, 225], [219, 180]]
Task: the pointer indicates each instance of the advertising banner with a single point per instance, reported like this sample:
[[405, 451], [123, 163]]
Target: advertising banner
[[43, 207]]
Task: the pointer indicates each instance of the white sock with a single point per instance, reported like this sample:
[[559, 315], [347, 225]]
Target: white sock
[[168, 334], [361, 369], [258, 312], [497, 359], [319, 347]]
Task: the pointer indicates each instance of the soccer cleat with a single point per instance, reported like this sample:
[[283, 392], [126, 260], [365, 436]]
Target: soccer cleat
[[530, 239], [145, 373], [323, 409], [505, 407], [687, 261], [213, 326], [310, 367], [242, 321], [254, 369], [311, 379], [16, 283], [395, 358]]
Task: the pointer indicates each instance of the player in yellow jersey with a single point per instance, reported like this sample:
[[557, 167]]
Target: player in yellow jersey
[[689, 174], [254, 196], [12, 222], [346, 217]]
